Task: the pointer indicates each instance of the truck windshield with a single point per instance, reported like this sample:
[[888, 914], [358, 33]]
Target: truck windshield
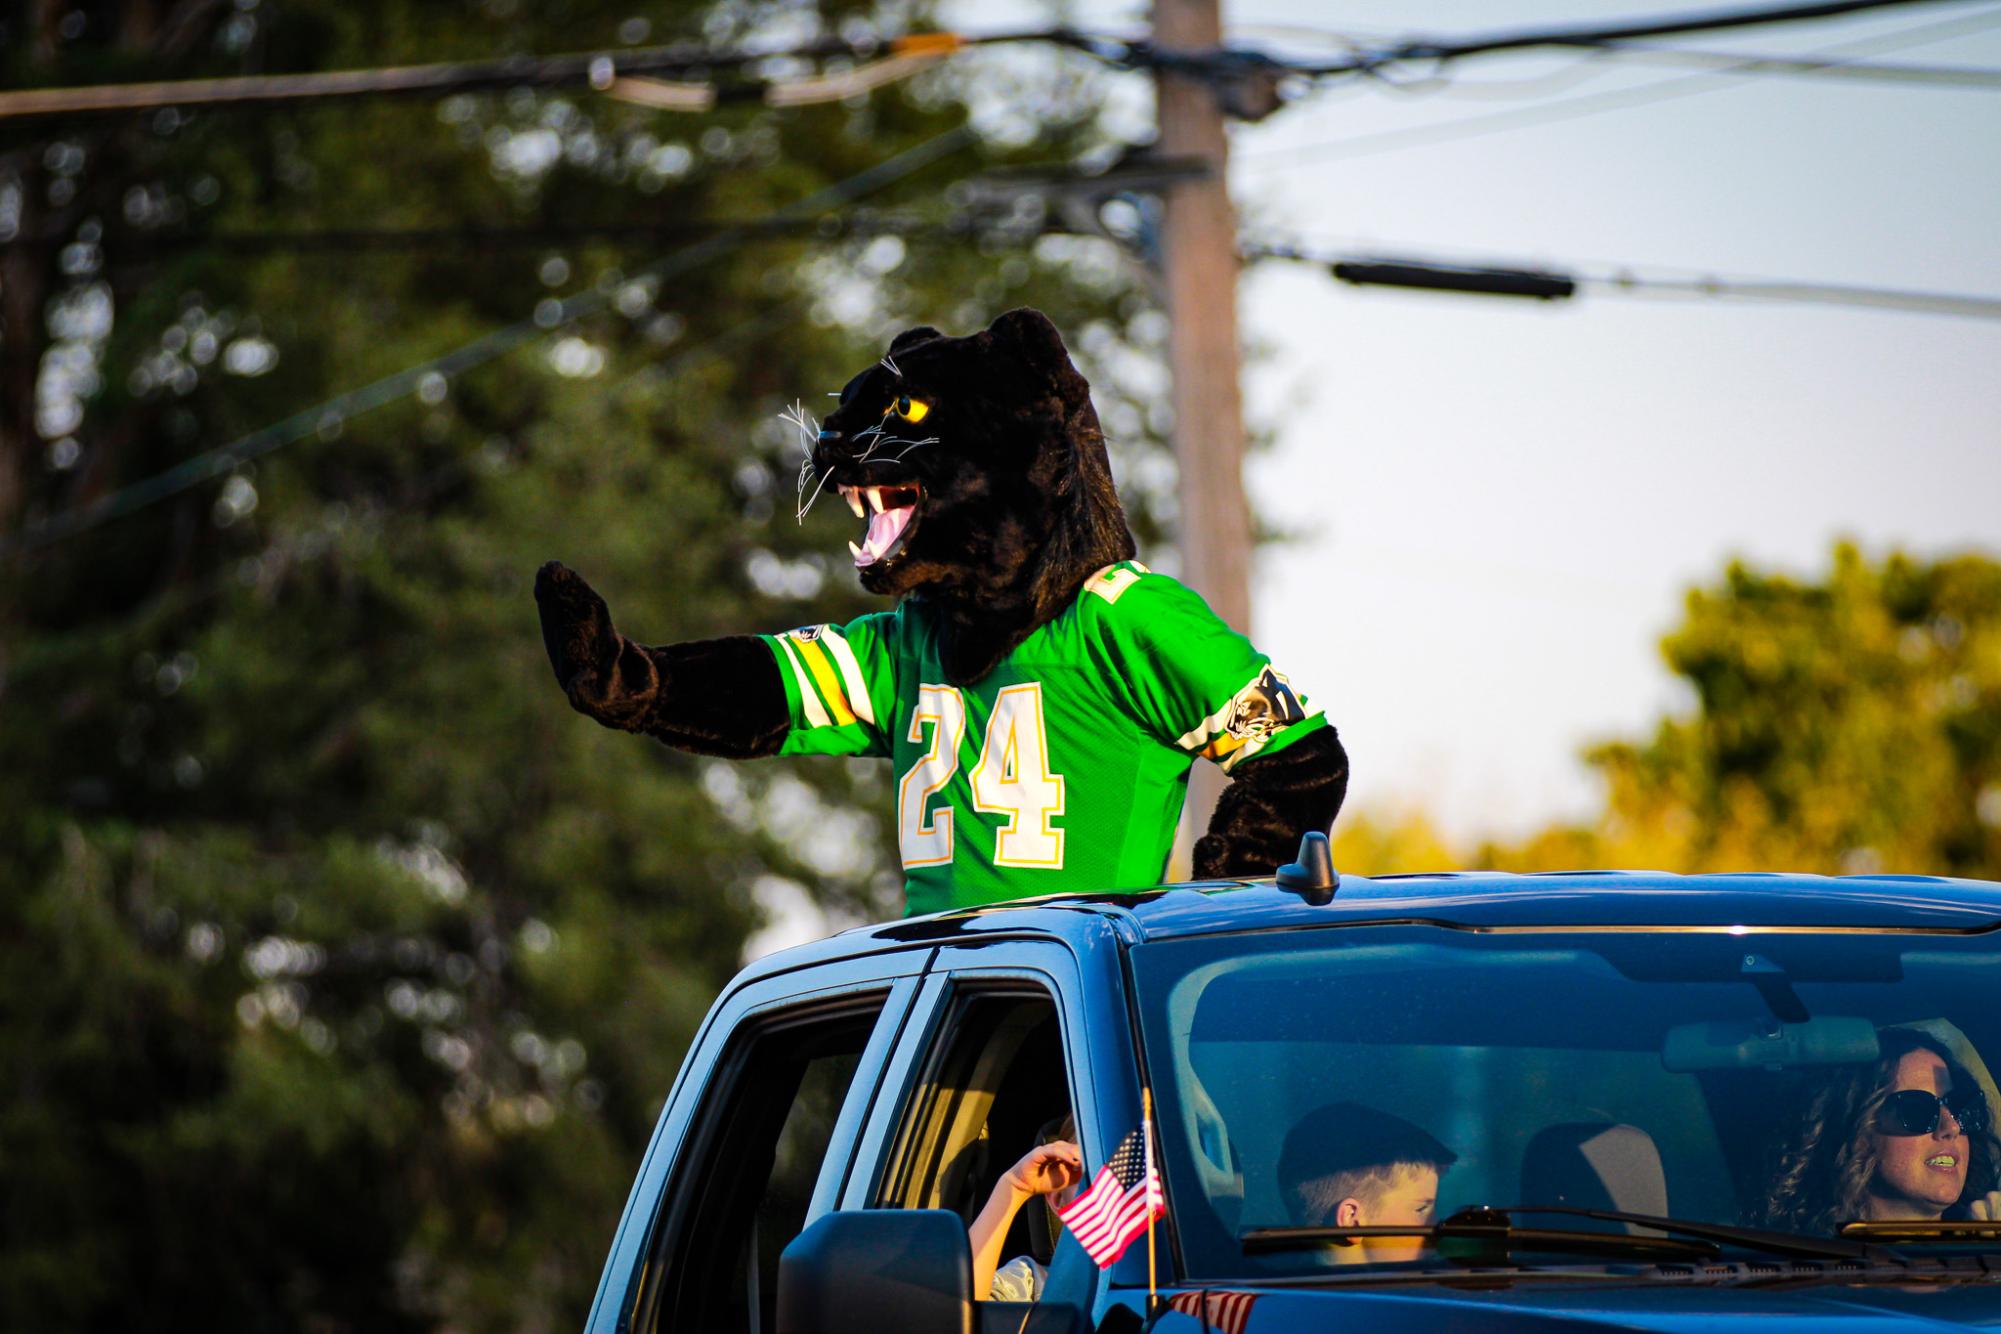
[[1384, 1077]]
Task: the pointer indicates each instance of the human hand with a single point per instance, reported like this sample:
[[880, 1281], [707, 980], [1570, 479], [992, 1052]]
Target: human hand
[[1987, 1208], [1045, 1169]]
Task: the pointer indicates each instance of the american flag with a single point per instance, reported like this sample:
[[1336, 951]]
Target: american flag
[[1123, 1198], [1227, 1312]]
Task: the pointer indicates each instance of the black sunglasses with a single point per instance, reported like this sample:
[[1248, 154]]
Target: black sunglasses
[[1916, 1111]]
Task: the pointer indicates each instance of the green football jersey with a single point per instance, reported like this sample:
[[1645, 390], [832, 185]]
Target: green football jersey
[[1065, 767]]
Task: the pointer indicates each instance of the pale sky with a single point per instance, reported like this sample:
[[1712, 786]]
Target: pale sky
[[1505, 500]]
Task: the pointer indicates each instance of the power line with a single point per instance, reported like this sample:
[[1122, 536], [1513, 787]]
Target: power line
[[1239, 63], [1543, 283], [1551, 284], [1743, 63], [550, 315], [1590, 104], [1812, 293], [602, 70], [1625, 32], [127, 246], [631, 74], [1000, 189], [1595, 63], [1431, 274]]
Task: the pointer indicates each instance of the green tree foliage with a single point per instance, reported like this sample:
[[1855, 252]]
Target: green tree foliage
[[343, 968], [1848, 725]]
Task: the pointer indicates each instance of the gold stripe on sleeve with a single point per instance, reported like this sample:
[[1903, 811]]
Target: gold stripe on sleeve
[[829, 682], [809, 700], [851, 673]]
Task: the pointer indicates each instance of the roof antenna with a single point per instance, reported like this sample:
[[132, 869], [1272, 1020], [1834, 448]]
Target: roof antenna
[[1313, 876]]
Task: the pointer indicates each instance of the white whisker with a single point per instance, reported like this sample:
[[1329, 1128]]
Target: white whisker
[[805, 423], [880, 440], [806, 505], [888, 363]]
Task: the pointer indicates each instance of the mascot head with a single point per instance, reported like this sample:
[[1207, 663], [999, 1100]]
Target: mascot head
[[978, 469]]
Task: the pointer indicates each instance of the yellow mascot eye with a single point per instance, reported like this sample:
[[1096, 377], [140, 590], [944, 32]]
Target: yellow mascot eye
[[910, 409]]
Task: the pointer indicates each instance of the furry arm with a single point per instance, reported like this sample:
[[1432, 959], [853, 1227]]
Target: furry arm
[[1272, 801], [713, 697]]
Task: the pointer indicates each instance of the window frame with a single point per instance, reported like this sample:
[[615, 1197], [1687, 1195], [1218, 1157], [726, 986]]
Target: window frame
[[927, 1134], [1087, 983], [661, 1194]]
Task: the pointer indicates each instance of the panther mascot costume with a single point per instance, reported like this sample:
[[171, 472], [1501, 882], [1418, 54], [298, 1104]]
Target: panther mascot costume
[[1040, 693]]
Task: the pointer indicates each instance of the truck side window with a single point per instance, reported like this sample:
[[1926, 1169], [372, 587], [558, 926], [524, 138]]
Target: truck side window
[[755, 1154], [995, 1077]]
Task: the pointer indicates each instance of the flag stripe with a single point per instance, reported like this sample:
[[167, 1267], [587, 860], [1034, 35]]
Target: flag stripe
[[1132, 1211], [1123, 1198], [1226, 1312], [1114, 1211]]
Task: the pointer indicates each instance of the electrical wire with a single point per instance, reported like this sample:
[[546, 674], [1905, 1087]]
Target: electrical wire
[[1744, 63], [550, 315], [633, 74], [1526, 39], [1588, 104], [1552, 282], [1612, 56], [1543, 281], [127, 248], [1811, 293], [633, 71]]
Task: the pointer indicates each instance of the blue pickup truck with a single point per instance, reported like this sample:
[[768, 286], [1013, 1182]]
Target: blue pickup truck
[[1667, 1103]]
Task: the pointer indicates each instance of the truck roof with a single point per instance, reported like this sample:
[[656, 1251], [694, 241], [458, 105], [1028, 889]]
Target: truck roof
[[1463, 900]]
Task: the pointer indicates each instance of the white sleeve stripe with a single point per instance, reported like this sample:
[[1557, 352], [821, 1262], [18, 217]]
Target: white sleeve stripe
[[1198, 736], [809, 698], [851, 676]]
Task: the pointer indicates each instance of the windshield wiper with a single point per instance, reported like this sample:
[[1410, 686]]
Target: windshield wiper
[[1903, 1230], [1750, 1238], [1496, 1235], [1704, 1240]]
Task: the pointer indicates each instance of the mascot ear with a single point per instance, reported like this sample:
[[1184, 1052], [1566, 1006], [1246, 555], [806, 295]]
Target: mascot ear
[[1033, 338], [923, 333]]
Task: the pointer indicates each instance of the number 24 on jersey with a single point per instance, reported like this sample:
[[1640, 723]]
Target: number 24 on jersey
[[1012, 779]]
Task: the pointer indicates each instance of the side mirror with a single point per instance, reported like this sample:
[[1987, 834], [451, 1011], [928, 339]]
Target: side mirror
[[878, 1271]]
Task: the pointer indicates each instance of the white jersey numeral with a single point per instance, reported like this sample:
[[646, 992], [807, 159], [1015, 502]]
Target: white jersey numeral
[[1012, 779], [924, 836]]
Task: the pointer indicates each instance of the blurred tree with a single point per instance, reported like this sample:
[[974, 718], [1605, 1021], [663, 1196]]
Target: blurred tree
[[1375, 842], [1847, 726], [342, 967]]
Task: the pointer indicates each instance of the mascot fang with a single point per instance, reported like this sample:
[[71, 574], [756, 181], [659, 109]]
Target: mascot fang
[[1040, 693]]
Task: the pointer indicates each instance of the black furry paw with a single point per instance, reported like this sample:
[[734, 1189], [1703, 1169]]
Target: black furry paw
[[589, 656]]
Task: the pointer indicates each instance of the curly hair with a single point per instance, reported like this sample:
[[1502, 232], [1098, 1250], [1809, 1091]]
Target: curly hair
[[1823, 1174]]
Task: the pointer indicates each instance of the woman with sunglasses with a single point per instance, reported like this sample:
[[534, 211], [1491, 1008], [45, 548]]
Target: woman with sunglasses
[[1907, 1136]]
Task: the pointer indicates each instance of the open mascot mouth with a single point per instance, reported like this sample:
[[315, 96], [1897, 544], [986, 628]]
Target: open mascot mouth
[[891, 512]]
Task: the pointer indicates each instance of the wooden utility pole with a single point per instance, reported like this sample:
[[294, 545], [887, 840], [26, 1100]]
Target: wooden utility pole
[[1199, 255], [1199, 259]]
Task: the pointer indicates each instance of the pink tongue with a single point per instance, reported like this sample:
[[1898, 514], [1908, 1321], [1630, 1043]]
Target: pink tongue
[[883, 530]]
